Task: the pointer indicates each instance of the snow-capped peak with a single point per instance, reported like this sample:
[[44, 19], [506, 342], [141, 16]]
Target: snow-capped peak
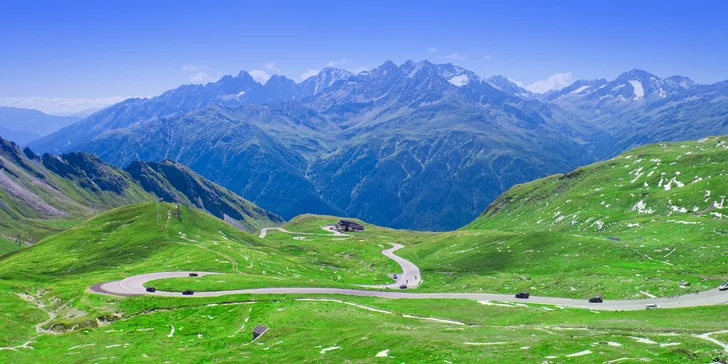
[[323, 80]]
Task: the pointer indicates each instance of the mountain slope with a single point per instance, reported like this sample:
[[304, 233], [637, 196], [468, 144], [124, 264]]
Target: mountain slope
[[314, 85], [172, 182], [681, 185], [228, 91], [649, 222], [257, 151], [43, 194], [431, 144], [37, 190], [388, 146], [419, 145], [639, 108]]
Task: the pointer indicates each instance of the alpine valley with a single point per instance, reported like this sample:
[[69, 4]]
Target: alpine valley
[[420, 146]]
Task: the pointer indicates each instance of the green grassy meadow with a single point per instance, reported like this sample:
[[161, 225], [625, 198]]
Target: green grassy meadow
[[542, 237]]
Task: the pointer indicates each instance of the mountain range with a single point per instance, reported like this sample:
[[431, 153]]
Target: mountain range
[[419, 145], [39, 192], [26, 125]]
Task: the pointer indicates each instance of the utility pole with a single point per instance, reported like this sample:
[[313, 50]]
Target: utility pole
[[179, 214]]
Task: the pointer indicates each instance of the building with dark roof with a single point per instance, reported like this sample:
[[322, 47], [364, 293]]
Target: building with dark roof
[[259, 330], [346, 225]]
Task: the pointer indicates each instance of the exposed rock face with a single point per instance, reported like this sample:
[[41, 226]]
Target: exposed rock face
[[77, 185], [420, 145], [87, 170], [174, 182]]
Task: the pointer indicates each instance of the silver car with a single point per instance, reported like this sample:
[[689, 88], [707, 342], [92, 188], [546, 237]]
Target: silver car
[[723, 287]]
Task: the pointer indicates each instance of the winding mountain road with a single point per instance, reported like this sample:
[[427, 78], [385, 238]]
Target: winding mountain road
[[264, 232], [410, 273], [134, 286]]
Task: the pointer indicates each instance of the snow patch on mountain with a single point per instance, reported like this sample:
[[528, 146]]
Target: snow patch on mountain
[[639, 91], [580, 89], [459, 81]]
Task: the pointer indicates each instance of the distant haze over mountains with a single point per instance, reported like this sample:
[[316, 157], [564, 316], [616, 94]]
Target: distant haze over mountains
[[419, 145], [26, 125]]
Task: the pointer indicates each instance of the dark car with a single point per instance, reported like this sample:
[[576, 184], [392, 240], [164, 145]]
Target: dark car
[[523, 295], [188, 292], [597, 299], [151, 289], [403, 286], [193, 274]]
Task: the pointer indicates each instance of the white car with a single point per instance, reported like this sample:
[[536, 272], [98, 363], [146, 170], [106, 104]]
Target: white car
[[652, 305], [723, 287]]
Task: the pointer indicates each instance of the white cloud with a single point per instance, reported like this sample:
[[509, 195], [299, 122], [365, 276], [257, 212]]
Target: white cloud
[[557, 81], [60, 105], [431, 49], [336, 63], [455, 55], [272, 67], [193, 68], [263, 75], [201, 77], [359, 70], [260, 75], [488, 57], [310, 73], [197, 73]]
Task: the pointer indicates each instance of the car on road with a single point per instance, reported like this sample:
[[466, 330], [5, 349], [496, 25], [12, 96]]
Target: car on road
[[193, 274], [723, 287], [188, 292], [596, 299], [403, 286], [651, 306], [151, 289], [523, 295]]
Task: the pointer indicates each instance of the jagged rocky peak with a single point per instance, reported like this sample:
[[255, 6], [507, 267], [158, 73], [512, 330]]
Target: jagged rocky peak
[[388, 68], [328, 76], [635, 74]]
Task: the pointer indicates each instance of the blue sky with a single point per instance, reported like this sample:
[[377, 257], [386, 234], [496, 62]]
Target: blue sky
[[59, 56]]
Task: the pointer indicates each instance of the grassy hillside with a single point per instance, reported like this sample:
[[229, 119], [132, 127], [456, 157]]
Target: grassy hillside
[[173, 181], [659, 189], [42, 195], [149, 237], [9, 245], [348, 331], [43, 292], [654, 249], [649, 222]]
